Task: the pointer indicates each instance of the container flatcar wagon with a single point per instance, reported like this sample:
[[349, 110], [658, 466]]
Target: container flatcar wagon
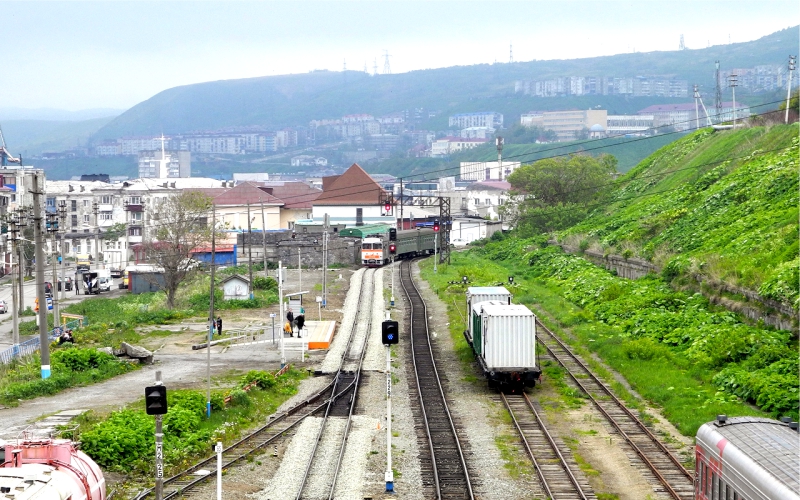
[[503, 338], [747, 458], [376, 249]]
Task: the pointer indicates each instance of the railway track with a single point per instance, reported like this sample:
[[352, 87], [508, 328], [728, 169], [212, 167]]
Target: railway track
[[667, 473], [443, 465], [558, 473], [340, 391], [344, 404]]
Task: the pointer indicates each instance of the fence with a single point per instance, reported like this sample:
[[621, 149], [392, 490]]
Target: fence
[[31, 346]]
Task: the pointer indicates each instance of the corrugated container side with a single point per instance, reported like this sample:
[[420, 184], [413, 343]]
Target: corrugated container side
[[509, 341]]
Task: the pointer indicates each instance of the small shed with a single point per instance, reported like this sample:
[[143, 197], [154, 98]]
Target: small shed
[[143, 282], [236, 287], [224, 255]]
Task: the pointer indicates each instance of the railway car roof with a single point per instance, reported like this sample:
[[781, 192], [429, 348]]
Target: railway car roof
[[487, 290], [494, 309], [771, 444]]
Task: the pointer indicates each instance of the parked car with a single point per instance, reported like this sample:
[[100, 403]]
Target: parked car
[[105, 284], [3, 307], [458, 242], [66, 283]]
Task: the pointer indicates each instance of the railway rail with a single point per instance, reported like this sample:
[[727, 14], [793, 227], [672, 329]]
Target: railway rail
[[666, 469], [443, 464], [558, 473], [341, 388], [345, 402]]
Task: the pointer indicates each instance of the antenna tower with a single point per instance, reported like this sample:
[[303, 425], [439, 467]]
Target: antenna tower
[[682, 46], [718, 96], [387, 70], [510, 53]]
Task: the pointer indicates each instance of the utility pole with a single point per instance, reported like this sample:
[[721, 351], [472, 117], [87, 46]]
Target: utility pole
[[402, 223], [52, 228], [250, 250], [14, 229], [44, 341], [62, 217], [499, 143], [22, 221], [718, 96], [95, 210], [733, 90], [792, 63], [211, 308], [264, 236], [696, 107]]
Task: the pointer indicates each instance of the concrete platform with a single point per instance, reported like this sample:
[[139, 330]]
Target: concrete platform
[[318, 334]]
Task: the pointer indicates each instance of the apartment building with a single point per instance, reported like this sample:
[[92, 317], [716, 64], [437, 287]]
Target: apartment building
[[567, 125], [480, 119], [164, 164], [603, 85], [630, 124]]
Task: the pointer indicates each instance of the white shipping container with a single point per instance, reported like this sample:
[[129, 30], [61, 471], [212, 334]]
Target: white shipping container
[[478, 294], [508, 337]]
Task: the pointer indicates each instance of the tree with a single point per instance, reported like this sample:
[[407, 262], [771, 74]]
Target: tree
[[555, 193], [115, 232], [181, 225]]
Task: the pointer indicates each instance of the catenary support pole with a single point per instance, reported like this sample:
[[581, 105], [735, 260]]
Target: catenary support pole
[[264, 237], [218, 449], [250, 249]]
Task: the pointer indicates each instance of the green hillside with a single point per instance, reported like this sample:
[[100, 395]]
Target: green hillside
[[716, 206], [294, 100]]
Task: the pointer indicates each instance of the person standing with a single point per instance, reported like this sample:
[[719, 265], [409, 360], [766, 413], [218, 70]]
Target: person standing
[[290, 319], [219, 325], [301, 320]]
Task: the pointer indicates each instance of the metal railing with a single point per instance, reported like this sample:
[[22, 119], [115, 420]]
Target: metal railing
[[31, 346]]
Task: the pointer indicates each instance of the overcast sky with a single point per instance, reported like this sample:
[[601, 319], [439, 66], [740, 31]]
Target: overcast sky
[[113, 54]]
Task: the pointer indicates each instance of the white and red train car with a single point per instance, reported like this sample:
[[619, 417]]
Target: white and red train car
[[49, 469], [747, 458]]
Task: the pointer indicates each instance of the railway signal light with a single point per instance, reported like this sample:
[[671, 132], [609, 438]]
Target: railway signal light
[[436, 226], [155, 400], [392, 249], [392, 234], [510, 280], [387, 207], [389, 332]]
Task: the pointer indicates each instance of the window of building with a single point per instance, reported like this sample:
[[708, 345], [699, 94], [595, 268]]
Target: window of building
[[74, 206], [136, 216], [107, 199], [85, 203], [135, 231], [359, 216], [477, 201], [489, 202], [135, 200], [74, 220], [86, 219], [106, 216], [51, 204], [78, 246], [66, 247]]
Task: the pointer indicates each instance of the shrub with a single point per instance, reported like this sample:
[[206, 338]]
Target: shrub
[[262, 283], [264, 380]]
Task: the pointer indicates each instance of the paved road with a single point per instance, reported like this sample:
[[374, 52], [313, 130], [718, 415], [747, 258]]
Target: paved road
[[29, 292]]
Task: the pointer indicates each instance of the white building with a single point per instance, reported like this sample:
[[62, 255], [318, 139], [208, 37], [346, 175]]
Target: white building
[[163, 164], [480, 119], [449, 145], [477, 133], [486, 170]]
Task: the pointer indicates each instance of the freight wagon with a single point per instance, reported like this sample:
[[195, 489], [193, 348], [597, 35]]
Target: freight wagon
[[503, 338], [377, 250], [747, 458]]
